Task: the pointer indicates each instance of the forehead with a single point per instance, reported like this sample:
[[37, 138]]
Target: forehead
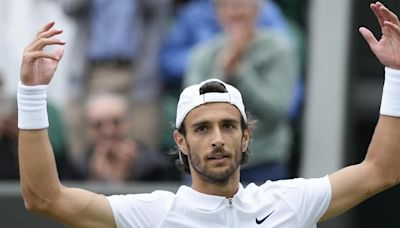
[[105, 107], [212, 112]]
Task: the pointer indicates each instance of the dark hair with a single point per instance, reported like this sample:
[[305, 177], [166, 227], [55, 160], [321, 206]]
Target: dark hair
[[181, 160]]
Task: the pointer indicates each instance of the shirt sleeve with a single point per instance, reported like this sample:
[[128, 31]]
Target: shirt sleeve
[[140, 210], [309, 198]]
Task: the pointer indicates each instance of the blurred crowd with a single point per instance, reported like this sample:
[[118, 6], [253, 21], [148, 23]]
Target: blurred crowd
[[130, 60]]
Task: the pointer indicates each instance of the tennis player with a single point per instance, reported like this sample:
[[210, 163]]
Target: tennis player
[[212, 137]]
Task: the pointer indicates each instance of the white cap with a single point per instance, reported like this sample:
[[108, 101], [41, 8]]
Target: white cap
[[191, 98]]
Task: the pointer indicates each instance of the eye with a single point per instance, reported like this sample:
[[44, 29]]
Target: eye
[[201, 128], [229, 125]]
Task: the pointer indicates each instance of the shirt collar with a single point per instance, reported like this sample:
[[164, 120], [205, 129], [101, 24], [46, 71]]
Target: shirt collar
[[204, 201]]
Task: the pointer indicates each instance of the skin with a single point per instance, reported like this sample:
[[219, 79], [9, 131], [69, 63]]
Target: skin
[[106, 108], [44, 194], [114, 152], [214, 143], [238, 19]]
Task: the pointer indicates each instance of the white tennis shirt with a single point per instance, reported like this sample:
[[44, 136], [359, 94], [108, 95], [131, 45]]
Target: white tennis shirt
[[296, 203]]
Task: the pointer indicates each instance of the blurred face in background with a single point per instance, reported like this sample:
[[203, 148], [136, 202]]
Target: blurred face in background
[[8, 119], [234, 13], [107, 118]]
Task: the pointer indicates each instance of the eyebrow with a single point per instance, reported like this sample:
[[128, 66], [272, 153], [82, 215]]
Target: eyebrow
[[205, 122], [230, 121], [200, 123]]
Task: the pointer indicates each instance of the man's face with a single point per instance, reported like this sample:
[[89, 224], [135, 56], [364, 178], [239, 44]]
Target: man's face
[[233, 13], [107, 122], [214, 141]]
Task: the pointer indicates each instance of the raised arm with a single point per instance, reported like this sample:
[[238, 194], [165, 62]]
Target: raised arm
[[381, 168], [41, 188]]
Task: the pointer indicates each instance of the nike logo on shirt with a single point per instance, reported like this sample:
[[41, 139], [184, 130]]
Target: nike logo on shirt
[[262, 220]]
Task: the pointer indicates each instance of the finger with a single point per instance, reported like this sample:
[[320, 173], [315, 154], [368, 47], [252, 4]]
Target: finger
[[392, 28], [40, 44], [33, 56], [369, 37], [59, 53], [375, 9], [45, 28], [48, 34], [388, 15]]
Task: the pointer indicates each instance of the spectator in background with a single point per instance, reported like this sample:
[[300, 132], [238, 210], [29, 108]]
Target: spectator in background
[[262, 64], [110, 37], [113, 156], [8, 137], [196, 22]]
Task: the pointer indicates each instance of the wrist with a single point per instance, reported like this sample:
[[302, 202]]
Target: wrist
[[390, 105], [32, 107]]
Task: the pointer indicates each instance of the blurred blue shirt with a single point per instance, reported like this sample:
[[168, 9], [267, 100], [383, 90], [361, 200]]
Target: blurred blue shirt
[[113, 30]]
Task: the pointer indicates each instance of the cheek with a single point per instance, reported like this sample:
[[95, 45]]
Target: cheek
[[195, 146], [199, 147], [234, 141]]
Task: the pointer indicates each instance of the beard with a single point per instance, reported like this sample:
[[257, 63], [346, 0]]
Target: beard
[[215, 176]]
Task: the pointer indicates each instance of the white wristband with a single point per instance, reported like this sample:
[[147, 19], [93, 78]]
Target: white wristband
[[32, 108], [390, 105]]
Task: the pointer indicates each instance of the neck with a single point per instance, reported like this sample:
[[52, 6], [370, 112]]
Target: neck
[[227, 189]]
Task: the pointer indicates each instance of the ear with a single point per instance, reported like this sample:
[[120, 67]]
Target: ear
[[181, 142], [245, 139]]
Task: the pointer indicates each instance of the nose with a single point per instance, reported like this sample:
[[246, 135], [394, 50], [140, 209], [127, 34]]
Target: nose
[[217, 139], [108, 130]]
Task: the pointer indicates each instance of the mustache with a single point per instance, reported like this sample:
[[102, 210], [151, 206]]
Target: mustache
[[218, 152]]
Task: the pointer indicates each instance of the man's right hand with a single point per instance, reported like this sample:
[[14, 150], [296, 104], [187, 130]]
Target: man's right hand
[[39, 66]]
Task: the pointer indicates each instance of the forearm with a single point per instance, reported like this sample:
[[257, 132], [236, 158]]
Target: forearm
[[378, 172], [39, 179], [380, 169], [384, 150]]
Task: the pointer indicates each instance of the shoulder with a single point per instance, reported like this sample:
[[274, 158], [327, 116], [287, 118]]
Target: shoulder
[[307, 199], [291, 188], [301, 183], [141, 210], [155, 196]]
